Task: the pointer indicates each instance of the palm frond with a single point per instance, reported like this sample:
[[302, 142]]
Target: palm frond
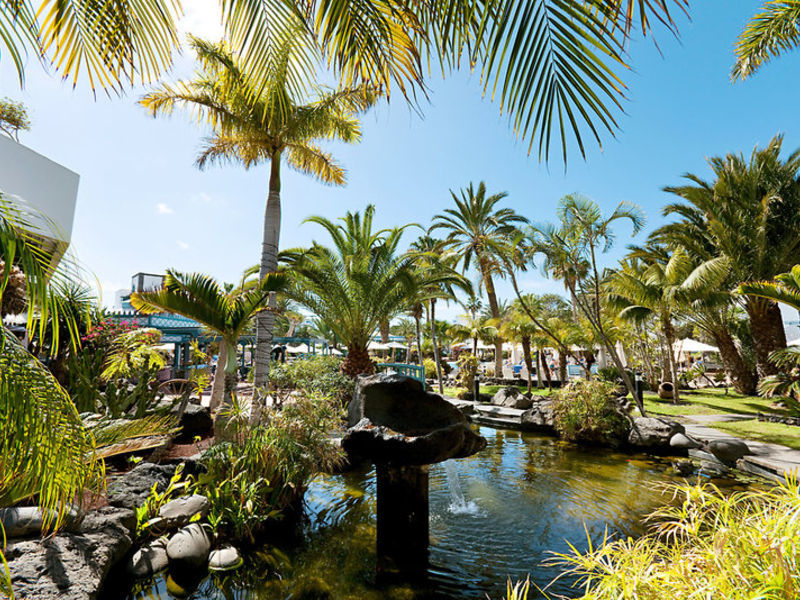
[[771, 32]]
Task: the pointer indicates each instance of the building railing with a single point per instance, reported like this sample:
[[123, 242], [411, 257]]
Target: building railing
[[414, 371]]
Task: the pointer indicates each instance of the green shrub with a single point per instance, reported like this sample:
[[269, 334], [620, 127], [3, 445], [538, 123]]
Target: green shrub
[[586, 412], [467, 368], [711, 544], [430, 368], [322, 375], [266, 468]]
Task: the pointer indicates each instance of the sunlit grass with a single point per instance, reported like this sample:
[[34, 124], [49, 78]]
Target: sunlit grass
[[710, 402], [762, 431]]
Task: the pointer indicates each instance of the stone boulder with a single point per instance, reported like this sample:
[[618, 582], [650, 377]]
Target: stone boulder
[[511, 397], [393, 420], [23, 521], [679, 441], [226, 558], [653, 432], [177, 513], [728, 450], [149, 559], [540, 417], [132, 489], [188, 549], [71, 566], [195, 421]]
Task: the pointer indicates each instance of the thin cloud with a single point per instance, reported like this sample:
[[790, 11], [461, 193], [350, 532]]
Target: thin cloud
[[182, 245], [164, 209]]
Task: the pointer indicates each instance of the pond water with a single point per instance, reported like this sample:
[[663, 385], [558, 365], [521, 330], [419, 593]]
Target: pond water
[[524, 497]]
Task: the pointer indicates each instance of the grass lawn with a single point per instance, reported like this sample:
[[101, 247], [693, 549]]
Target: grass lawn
[[774, 433], [709, 402], [492, 390]]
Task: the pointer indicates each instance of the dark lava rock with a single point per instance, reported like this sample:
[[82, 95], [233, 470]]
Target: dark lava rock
[[653, 432], [540, 417], [23, 521], [132, 489], [195, 421], [511, 397], [728, 450], [393, 420], [71, 566]]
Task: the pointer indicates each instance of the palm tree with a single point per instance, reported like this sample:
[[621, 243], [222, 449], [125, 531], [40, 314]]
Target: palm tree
[[477, 232], [756, 199], [355, 285], [772, 31], [473, 328], [517, 327], [226, 313], [784, 289], [570, 253], [438, 281], [265, 120]]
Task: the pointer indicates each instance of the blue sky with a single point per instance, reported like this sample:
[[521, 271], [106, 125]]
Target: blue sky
[[143, 206]]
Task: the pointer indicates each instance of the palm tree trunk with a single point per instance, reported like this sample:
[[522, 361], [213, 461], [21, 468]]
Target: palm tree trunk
[[436, 358], [743, 378], [218, 387], [384, 331], [669, 335], [265, 321], [526, 355], [538, 369], [491, 294], [766, 325], [417, 318], [546, 370], [357, 362], [562, 367]]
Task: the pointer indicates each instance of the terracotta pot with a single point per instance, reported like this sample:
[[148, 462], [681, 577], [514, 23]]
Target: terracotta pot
[[666, 391]]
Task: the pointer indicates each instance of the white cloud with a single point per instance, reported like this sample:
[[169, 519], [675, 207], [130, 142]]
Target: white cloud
[[182, 245], [164, 209], [202, 18]]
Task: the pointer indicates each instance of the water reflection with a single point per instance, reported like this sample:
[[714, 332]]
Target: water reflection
[[533, 495]]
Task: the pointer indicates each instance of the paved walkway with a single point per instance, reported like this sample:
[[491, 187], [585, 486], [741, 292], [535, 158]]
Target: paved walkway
[[772, 460]]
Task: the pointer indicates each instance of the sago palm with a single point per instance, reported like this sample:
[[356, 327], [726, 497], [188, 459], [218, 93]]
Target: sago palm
[[354, 285], [477, 231], [226, 313], [746, 221], [265, 120]]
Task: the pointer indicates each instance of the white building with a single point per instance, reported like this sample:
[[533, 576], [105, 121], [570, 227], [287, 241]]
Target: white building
[[44, 190]]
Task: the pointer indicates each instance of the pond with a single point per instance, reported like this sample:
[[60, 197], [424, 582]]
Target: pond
[[525, 496]]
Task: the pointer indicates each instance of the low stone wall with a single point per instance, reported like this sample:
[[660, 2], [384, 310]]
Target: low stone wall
[[779, 419]]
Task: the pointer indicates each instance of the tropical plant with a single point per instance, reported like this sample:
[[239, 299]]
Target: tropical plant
[[355, 285], [13, 118], [45, 451], [571, 254], [474, 329], [756, 199], [784, 289], [587, 412], [562, 73], [257, 120], [315, 375], [227, 314], [438, 281], [773, 30], [477, 231], [705, 543], [785, 383], [518, 328], [265, 469]]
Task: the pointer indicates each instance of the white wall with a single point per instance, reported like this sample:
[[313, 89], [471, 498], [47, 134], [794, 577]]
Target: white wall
[[30, 178]]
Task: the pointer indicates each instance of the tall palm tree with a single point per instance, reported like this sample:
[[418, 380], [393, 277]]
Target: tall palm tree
[[784, 289], [226, 313], [356, 284], [756, 199], [265, 120], [438, 281], [477, 232], [773, 30], [517, 327], [473, 328], [571, 253]]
